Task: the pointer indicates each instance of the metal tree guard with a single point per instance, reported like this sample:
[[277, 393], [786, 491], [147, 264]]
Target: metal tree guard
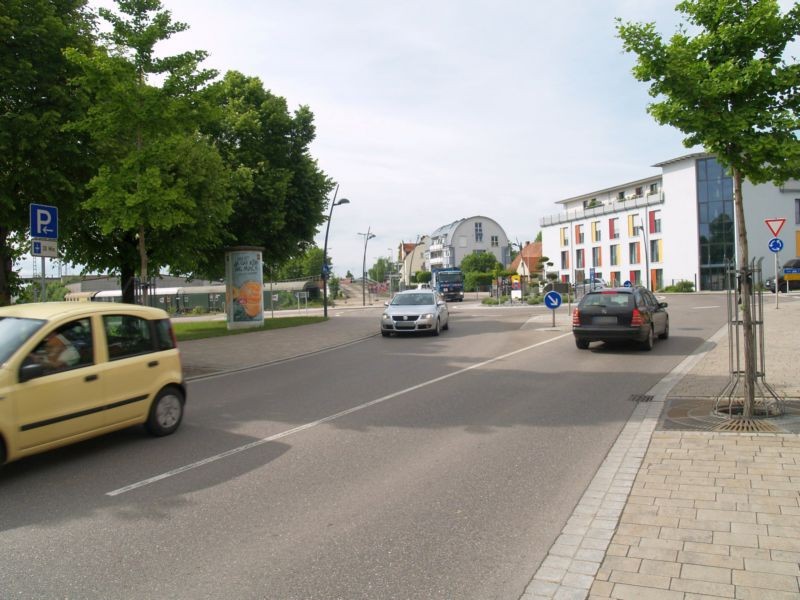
[[730, 402]]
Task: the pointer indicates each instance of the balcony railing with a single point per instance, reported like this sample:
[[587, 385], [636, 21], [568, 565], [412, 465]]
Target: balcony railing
[[617, 206]]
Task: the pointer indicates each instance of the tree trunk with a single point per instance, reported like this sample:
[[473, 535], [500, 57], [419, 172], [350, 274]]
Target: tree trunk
[[143, 265], [6, 265], [745, 285], [127, 275]]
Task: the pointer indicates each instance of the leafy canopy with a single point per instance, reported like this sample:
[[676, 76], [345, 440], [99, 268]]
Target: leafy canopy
[[479, 262], [727, 85]]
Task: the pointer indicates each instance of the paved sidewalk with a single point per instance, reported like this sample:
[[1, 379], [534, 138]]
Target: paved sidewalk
[[690, 515]]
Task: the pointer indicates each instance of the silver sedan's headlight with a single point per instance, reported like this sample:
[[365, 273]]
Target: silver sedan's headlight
[[386, 317], [426, 317]]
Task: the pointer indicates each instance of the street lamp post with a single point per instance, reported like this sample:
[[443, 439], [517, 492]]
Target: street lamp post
[[367, 237], [325, 269]]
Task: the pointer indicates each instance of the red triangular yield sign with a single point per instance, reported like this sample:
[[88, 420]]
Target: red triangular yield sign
[[775, 225]]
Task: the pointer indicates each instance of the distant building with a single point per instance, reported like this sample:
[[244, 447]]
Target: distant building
[[678, 225], [452, 242], [411, 256], [526, 263]]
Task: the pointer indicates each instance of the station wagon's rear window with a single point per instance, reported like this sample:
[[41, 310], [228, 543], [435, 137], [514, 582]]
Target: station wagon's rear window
[[608, 299]]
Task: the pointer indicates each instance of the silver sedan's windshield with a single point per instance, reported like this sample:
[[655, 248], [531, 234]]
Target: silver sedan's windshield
[[14, 332], [413, 300]]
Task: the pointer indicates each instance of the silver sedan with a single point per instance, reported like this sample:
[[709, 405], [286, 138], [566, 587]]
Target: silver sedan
[[413, 311]]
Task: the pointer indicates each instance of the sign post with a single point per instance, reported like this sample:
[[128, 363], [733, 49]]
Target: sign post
[[44, 235], [775, 246], [552, 300]]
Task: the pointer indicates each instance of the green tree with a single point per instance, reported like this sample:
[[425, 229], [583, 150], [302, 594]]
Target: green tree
[[379, 270], [479, 262], [161, 194], [56, 292], [284, 203], [308, 264], [729, 88], [423, 276], [334, 285], [39, 161]]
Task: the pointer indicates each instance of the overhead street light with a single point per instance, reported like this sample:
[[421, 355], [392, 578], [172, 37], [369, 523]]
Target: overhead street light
[[325, 268], [367, 237]]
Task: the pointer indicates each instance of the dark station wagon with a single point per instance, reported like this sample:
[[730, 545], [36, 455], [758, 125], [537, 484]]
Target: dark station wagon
[[620, 314]]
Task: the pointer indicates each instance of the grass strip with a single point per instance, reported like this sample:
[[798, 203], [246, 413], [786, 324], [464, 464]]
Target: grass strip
[[198, 330]]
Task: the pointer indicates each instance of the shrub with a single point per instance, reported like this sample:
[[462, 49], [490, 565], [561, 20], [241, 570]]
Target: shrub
[[490, 301], [680, 287]]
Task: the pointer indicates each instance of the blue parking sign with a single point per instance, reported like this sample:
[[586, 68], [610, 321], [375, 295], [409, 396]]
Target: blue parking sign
[[44, 221]]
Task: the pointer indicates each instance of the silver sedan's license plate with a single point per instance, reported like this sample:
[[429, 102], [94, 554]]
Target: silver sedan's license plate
[[604, 321]]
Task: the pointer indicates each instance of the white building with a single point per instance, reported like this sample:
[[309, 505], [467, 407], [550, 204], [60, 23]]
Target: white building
[[411, 257], [678, 225], [452, 242]]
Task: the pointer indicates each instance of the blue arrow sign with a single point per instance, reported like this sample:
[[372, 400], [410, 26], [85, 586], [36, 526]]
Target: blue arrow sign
[[776, 244], [552, 300], [627, 284], [44, 222]]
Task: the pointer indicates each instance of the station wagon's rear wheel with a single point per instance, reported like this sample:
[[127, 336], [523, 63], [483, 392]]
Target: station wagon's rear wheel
[[665, 335], [650, 341], [166, 412], [581, 344]]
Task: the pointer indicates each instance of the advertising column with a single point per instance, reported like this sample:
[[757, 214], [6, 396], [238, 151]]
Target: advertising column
[[244, 287]]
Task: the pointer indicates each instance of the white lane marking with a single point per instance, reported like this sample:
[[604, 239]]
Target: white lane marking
[[327, 419], [703, 307]]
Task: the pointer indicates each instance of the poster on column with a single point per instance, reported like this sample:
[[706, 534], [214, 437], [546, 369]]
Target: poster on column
[[244, 287]]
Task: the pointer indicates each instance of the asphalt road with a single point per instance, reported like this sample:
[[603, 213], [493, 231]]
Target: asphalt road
[[391, 468]]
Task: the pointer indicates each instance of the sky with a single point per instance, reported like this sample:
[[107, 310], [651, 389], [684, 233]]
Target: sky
[[431, 111]]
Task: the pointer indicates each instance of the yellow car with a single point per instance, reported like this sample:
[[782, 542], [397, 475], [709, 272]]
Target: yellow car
[[74, 370]]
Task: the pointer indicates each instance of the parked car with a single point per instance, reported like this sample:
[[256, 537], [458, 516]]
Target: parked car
[[75, 370], [414, 311], [794, 283], [617, 314]]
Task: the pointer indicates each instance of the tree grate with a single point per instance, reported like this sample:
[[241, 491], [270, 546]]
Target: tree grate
[[641, 398], [746, 425]]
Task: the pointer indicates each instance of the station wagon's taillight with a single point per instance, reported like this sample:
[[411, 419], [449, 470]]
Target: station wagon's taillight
[[576, 318], [636, 318]]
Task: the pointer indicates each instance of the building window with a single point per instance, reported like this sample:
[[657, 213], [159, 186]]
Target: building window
[[613, 229], [655, 221], [579, 264], [614, 278], [638, 192], [653, 188], [635, 278], [613, 252], [797, 211], [565, 236], [597, 256], [565, 260], [621, 195], [715, 218], [495, 241], [655, 250], [597, 234], [658, 279], [478, 232], [633, 253], [578, 234]]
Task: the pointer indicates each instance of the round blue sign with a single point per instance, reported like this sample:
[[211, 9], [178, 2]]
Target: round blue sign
[[776, 244], [627, 284], [552, 300]]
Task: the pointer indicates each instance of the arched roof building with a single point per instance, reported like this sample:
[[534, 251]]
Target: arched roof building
[[452, 242]]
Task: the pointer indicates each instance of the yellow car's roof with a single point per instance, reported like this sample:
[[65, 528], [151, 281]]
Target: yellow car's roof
[[52, 310]]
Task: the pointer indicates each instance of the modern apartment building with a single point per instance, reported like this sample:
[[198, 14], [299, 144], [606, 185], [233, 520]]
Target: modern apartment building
[[678, 225], [452, 242]]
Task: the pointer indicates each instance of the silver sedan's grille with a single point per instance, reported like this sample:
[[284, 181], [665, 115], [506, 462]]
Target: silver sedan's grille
[[405, 317]]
